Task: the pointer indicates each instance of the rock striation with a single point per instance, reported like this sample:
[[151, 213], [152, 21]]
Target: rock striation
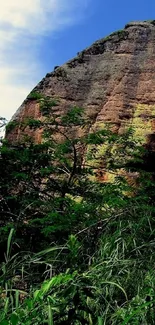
[[113, 80]]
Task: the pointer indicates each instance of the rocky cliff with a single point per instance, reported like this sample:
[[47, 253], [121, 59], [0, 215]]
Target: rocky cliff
[[113, 80]]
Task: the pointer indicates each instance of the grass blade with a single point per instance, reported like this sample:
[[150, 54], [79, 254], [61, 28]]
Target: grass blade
[[137, 311], [100, 321], [50, 315], [9, 242]]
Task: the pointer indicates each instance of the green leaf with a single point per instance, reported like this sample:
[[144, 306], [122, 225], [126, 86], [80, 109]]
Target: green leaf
[[4, 322], [14, 319], [55, 281], [36, 294], [50, 315], [117, 285], [137, 311], [9, 242], [100, 321]]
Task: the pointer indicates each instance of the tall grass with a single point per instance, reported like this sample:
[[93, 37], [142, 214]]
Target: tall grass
[[117, 285]]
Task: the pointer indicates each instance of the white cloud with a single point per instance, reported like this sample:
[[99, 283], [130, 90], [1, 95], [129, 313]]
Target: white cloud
[[23, 24]]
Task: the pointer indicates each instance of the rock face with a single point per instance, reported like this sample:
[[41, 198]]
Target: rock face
[[113, 80]]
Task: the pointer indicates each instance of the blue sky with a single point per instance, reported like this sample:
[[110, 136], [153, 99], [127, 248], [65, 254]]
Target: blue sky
[[37, 35]]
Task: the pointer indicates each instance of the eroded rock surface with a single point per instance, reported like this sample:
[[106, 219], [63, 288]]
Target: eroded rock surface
[[113, 80]]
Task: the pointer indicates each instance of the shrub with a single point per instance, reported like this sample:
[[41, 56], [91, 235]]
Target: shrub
[[32, 123], [11, 125], [46, 104], [34, 95]]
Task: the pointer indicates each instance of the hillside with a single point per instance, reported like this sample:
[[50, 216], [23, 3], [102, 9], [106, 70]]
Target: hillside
[[77, 184]]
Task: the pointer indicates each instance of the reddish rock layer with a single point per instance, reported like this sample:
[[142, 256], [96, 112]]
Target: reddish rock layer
[[113, 80]]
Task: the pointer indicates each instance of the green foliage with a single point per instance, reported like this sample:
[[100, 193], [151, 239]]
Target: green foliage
[[73, 116], [119, 32], [46, 105], [34, 96], [75, 250], [122, 34], [11, 125], [32, 123]]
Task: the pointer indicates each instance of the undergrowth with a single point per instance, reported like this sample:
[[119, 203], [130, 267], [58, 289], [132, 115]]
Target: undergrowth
[[75, 249]]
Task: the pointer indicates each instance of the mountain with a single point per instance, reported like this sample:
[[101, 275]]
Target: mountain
[[113, 80]]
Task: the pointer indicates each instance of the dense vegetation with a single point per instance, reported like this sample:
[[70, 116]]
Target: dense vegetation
[[75, 249]]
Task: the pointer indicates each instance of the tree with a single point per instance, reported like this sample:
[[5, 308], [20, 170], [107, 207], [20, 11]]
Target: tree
[[50, 189], [99, 264], [3, 122]]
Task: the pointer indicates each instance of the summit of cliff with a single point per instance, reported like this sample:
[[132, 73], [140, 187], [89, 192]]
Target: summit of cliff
[[113, 80]]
